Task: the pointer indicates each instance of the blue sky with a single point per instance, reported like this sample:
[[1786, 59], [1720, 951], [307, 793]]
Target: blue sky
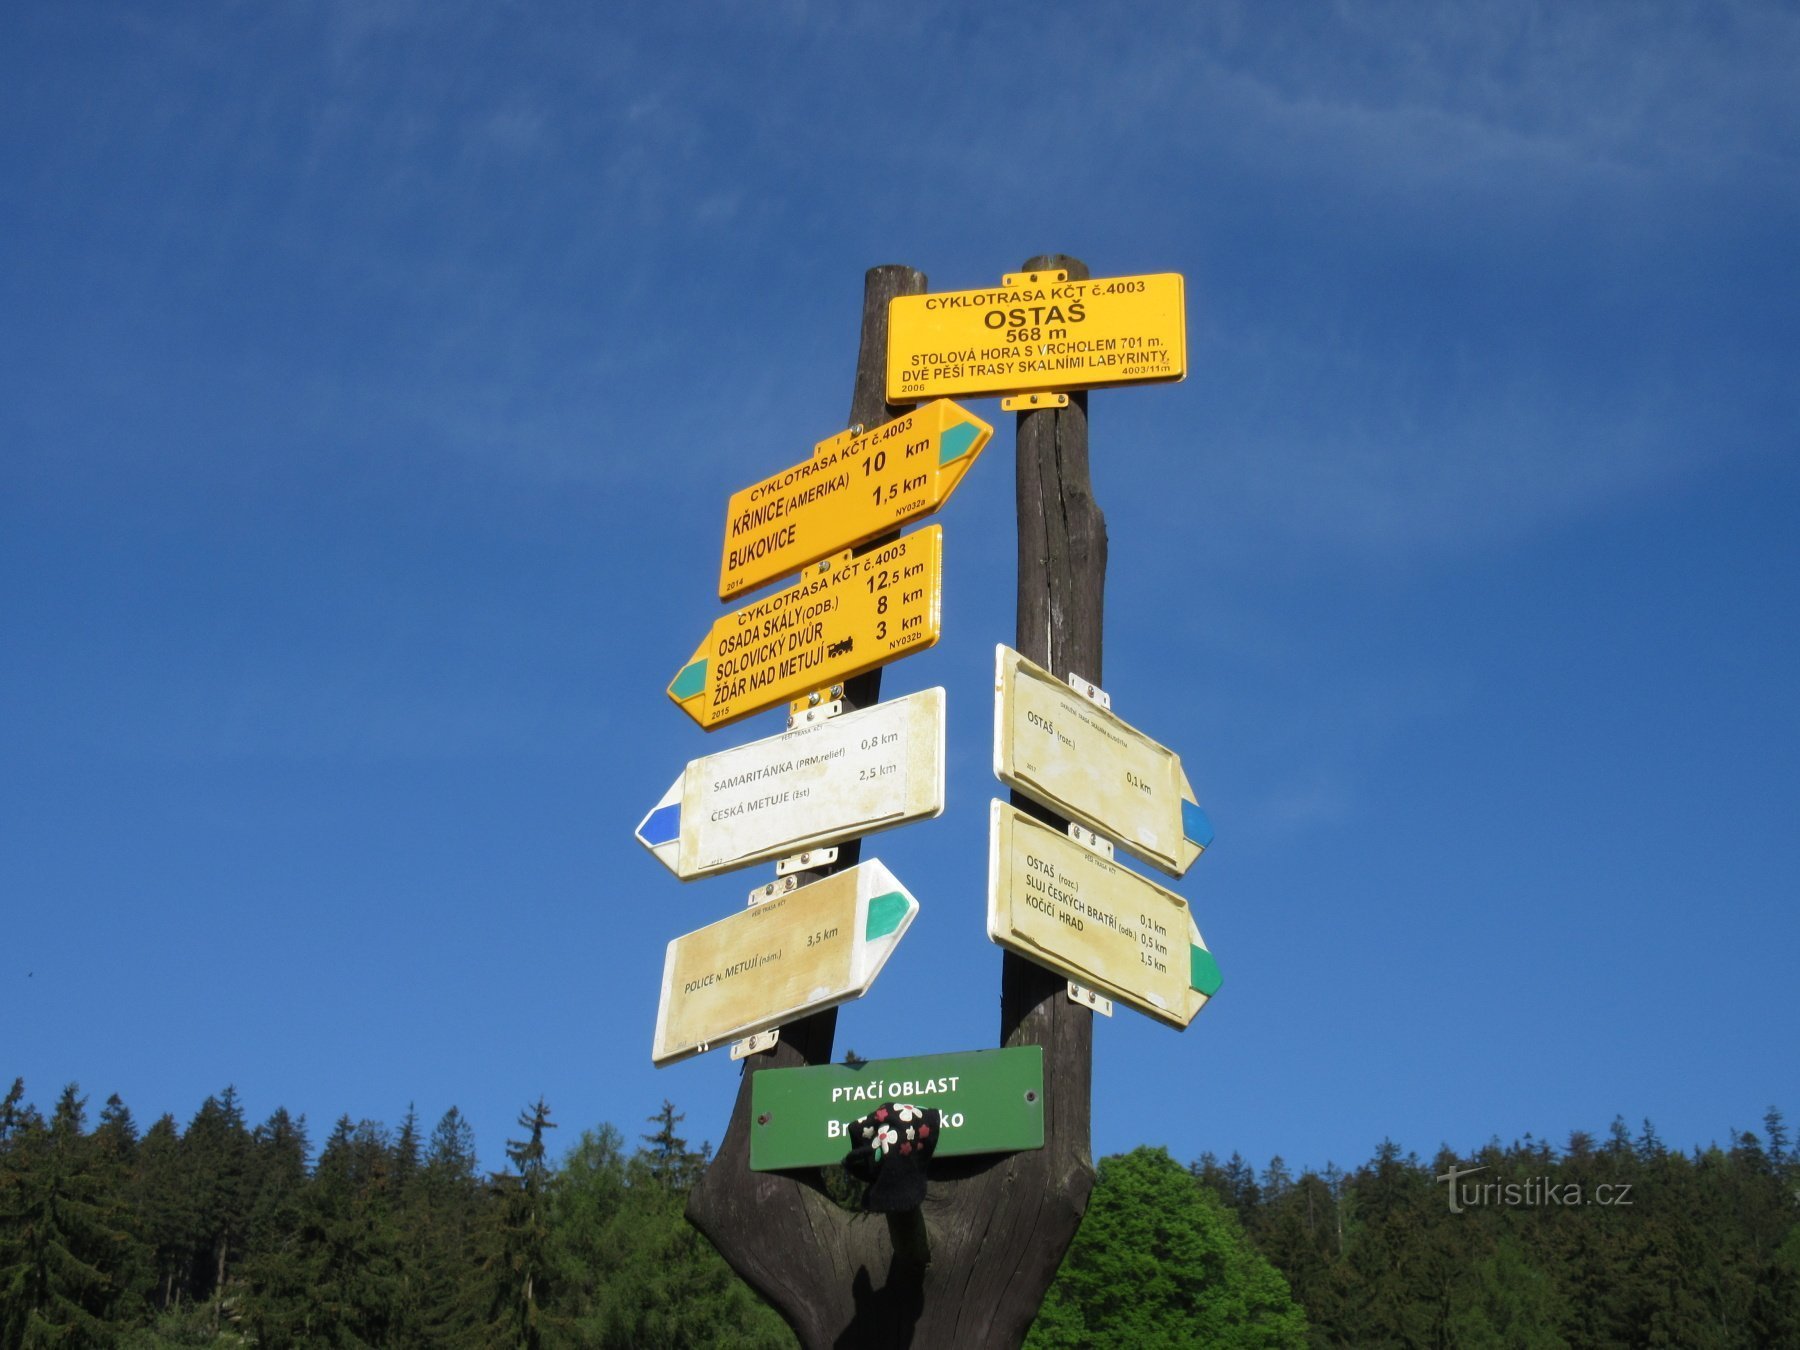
[[377, 373]]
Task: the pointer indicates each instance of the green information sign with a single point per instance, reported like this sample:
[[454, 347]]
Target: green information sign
[[992, 1102]]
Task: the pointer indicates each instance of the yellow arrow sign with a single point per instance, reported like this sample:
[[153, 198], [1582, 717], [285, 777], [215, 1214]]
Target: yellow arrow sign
[[853, 488], [1086, 917], [848, 615], [1036, 333]]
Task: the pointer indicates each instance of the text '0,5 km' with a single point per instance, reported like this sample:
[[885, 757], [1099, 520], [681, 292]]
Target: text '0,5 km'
[[1037, 332], [1100, 924]]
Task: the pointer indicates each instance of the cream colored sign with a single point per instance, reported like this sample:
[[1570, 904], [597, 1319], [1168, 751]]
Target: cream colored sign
[[1079, 759], [809, 949], [806, 788], [1094, 921]]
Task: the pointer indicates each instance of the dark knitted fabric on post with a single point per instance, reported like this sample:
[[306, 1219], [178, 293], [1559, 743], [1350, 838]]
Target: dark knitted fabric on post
[[889, 1149]]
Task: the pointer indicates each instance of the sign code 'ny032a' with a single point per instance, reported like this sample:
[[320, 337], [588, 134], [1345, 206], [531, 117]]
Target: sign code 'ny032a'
[[849, 614], [802, 951], [1100, 924], [855, 487], [1036, 333]]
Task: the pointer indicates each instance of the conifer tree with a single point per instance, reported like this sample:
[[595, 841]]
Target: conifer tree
[[520, 1265], [61, 1251], [446, 1205], [163, 1203], [216, 1159]]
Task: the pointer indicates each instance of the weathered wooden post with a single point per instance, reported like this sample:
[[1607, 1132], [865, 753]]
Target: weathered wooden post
[[997, 1225]]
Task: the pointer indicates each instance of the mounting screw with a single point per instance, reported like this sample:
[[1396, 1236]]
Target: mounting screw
[[1030, 1095], [763, 1119]]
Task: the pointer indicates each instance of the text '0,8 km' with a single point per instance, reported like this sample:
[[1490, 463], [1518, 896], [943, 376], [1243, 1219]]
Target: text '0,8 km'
[[1037, 333], [851, 613], [806, 788], [856, 486]]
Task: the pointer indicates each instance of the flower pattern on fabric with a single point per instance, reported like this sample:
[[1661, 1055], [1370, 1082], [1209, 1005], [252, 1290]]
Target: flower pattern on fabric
[[889, 1149]]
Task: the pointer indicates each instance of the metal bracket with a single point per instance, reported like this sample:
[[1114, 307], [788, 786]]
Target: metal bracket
[[816, 706], [773, 889], [1092, 842], [761, 1043], [1087, 998], [799, 862], [1033, 278], [1088, 689], [1028, 402]]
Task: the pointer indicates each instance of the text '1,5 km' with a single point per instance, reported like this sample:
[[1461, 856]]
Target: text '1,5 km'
[[857, 485]]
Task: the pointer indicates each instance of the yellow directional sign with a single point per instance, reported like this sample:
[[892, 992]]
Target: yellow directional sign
[[811, 948], [847, 615], [853, 488], [1084, 916], [1077, 758], [1035, 333]]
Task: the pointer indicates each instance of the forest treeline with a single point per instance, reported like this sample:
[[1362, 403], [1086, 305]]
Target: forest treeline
[[227, 1234], [1614, 1241]]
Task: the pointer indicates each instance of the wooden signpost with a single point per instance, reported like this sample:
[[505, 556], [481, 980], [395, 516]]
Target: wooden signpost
[[799, 951], [851, 613], [1102, 925], [857, 485], [807, 788], [973, 1266], [1073, 755], [1038, 330]]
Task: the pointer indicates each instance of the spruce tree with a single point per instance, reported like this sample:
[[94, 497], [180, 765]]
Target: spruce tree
[[520, 1263], [61, 1249]]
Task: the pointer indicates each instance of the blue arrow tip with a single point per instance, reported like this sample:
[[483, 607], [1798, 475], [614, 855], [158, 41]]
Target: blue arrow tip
[[661, 826], [1196, 825]]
